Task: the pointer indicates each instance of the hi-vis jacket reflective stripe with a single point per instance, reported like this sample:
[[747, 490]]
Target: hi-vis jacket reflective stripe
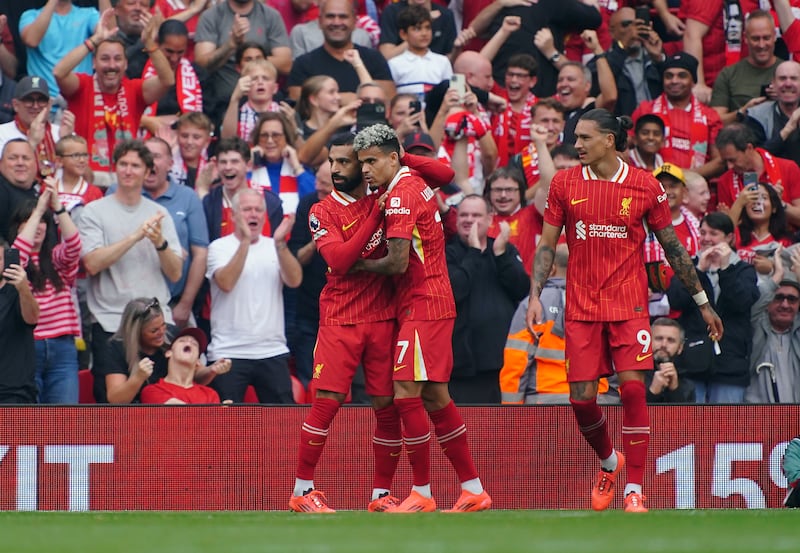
[[546, 371]]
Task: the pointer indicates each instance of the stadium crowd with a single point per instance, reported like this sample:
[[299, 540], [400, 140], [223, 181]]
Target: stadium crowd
[[160, 159]]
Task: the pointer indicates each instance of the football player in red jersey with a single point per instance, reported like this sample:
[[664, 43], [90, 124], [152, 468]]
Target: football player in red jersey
[[603, 205], [426, 313], [357, 323]]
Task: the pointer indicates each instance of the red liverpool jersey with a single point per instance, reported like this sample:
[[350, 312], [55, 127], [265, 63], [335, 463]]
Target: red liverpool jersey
[[604, 225], [423, 291], [351, 298]]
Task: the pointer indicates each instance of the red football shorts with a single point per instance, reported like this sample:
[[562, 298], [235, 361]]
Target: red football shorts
[[597, 349], [424, 351], [341, 349]]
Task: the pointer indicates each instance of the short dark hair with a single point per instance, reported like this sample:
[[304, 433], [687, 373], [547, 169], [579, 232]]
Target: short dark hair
[[114, 3], [737, 134], [159, 140], [244, 46], [649, 118], [172, 27], [666, 321], [136, 146], [113, 40], [16, 141], [507, 172], [412, 16], [234, 144], [718, 221], [341, 139], [523, 61]]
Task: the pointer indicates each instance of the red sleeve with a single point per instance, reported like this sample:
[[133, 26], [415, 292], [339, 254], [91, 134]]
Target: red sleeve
[[554, 214], [8, 40], [792, 39], [704, 11], [714, 125], [790, 175], [432, 171], [725, 189], [153, 393], [338, 253], [92, 193], [659, 215], [134, 90]]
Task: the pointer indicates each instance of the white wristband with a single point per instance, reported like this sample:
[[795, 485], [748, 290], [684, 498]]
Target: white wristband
[[700, 298]]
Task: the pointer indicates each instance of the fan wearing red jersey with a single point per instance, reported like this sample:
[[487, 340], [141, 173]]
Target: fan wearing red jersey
[[426, 313], [603, 205]]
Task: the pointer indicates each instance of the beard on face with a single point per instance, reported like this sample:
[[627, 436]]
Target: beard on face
[[345, 184]]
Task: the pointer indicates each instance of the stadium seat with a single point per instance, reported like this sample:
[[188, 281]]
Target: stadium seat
[[299, 391], [85, 387]]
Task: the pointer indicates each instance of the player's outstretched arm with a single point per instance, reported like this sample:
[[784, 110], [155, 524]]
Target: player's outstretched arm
[[542, 267], [394, 263], [681, 263]]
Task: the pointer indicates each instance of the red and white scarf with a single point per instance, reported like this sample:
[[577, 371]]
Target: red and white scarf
[[179, 172], [512, 130], [698, 133], [45, 150], [774, 176], [74, 197], [110, 124], [248, 117], [187, 87], [530, 164], [653, 252], [286, 189]]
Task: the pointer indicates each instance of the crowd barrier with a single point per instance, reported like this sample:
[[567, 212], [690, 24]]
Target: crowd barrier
[[243, 457]]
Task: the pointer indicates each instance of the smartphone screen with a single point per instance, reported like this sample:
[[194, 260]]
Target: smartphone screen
[[750, 179], [10, 257], [414, 107]]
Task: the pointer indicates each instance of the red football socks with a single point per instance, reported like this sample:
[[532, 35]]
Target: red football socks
[[387, 445], [313, 435], [416, 437], [592, 424], [635, 428], [451, 432]]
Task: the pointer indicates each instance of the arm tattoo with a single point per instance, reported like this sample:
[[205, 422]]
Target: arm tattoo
[[679, 259], [542, 264]]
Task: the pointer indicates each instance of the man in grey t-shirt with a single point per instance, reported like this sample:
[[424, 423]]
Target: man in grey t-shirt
[[225, 27], [129, 247]]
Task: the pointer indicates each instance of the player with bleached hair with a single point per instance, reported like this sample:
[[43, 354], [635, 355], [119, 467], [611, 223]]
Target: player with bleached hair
[[426, 314]]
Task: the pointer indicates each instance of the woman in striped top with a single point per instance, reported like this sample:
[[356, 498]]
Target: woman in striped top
[[52, 267]]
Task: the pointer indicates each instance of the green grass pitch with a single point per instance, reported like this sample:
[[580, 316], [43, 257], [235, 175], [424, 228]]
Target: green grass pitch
[[728, 531]]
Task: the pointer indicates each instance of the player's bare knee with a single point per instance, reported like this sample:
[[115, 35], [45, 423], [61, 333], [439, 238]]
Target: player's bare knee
[[336, 396], [381, 402], [582, 391], [404, 389], [435, 396]]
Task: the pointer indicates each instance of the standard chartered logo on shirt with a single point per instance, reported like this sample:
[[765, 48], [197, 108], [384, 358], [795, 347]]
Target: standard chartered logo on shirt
[[580, 230], [600, 231]]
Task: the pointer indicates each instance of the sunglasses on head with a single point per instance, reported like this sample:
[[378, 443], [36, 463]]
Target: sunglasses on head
[[152, 304]]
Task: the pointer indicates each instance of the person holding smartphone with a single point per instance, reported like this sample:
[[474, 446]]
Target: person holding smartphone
[[19, 313]]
